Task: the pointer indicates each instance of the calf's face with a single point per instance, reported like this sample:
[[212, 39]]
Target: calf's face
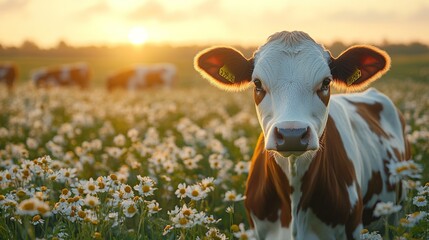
[[291, 76]]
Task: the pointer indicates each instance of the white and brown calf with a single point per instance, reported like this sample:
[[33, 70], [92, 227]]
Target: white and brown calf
[[320, 165], [77, 74], [143, 77]]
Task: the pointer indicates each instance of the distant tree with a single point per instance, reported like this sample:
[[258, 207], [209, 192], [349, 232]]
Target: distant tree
[[63, 45], [29, 45]]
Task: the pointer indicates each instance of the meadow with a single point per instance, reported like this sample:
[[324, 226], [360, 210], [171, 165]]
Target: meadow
[[157, 164]]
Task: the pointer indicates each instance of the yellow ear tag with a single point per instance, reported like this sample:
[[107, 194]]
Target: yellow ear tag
[[355, 76], [225, 73]]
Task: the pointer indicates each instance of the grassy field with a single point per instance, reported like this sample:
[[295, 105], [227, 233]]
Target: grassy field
[[155, 164]]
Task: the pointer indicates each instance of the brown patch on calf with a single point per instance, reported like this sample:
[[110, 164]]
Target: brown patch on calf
[[267, 188], [325, 184], [371, 113], [375, 186], [258, 96], [324, 98]]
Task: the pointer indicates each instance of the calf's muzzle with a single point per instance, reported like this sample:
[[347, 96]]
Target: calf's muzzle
[[291, 139]]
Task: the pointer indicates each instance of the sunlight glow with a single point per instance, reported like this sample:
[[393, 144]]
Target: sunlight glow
[[137, 35]]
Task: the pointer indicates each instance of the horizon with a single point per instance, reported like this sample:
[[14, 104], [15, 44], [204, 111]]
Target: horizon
[[208, 22]]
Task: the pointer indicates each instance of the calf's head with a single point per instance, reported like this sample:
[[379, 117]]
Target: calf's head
[[291, 77]]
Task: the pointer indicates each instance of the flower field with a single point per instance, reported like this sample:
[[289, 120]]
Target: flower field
[[154, 164]]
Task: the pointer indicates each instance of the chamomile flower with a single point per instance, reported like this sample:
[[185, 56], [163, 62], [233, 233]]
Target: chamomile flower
[[385, 208], [126, 191], [195, 192], [244, 234], [404, 170], [207, 184], [241, 167], [366, 235], [412, 219], [181, 191], [90, 186], [232, 196], [153, 207], [420, 201], [129, 208], [119, 140], [214, 233], [91, 201], [33, 206], [145, 186], [37, 219], [133, 134]]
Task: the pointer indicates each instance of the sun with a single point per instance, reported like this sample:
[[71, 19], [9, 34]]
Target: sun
[[137, 35]]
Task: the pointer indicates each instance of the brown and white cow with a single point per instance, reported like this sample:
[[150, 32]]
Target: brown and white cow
[[320, 164], [77, 74], [143, 76], [8, 74]]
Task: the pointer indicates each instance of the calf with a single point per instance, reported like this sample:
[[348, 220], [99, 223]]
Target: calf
[[8, 74], [320, 164], [62, 75], [143, 76]]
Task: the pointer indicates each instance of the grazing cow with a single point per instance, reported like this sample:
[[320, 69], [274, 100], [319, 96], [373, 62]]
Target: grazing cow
[[320, 164], [143, 76], [63, 75], [8, 74]]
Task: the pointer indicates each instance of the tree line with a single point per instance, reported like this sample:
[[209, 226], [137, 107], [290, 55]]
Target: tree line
[[29, 47]]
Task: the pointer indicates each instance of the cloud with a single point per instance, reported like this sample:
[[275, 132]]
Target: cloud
[[420, 15], [9, 6], [365, 16], [153, 10], [95, 9]]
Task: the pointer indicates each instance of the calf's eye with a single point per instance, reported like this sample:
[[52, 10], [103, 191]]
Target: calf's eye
[[258, 85], [325, 84]]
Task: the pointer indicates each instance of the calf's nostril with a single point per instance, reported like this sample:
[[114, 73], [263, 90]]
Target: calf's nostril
[[280, 138], [305, 137]]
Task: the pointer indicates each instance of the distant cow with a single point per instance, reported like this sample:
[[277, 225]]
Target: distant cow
[[321, 162], [63, 75], [8, 74], [143, 76]]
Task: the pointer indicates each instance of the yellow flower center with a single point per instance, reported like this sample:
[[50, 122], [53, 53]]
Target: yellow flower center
[[42, 209], [401, 169], [81, 214], [183, 221], [131, 209], [36, 218], [91, 187], [146, 188], [195, 193], [235, 228]]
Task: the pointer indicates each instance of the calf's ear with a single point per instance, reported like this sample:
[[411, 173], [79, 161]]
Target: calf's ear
[[225, 67], [359, 66]]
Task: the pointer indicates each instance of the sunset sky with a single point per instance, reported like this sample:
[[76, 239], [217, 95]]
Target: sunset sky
[[185, 22]]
